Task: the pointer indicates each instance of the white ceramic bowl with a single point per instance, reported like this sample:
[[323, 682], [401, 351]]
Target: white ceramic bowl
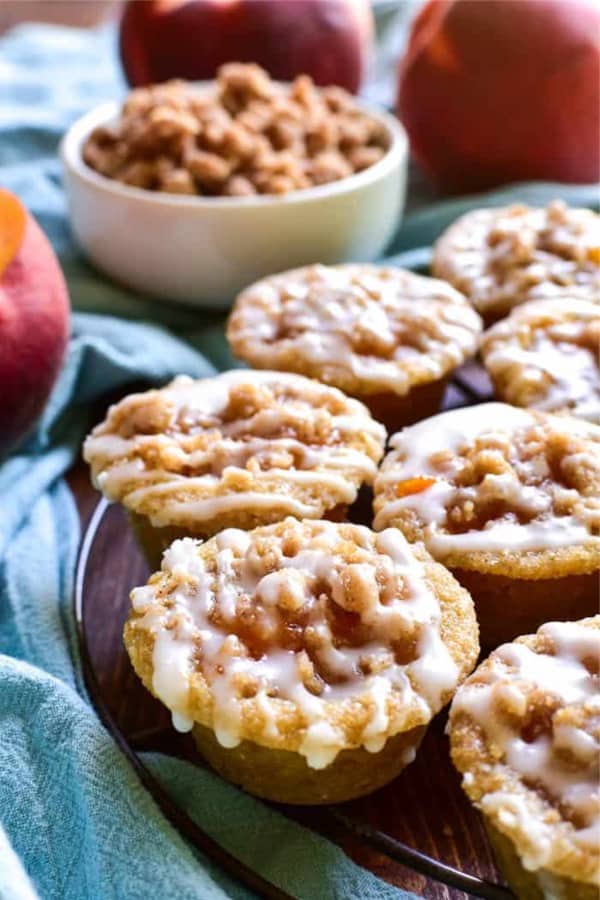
[[204, 250]]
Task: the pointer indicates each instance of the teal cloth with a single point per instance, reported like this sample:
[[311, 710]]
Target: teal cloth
[[75, 823]]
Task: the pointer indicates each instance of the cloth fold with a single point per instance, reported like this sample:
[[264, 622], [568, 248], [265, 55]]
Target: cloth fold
[[75, 823]]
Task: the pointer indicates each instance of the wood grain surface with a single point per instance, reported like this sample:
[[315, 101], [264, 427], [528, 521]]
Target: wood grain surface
[[424, 808]]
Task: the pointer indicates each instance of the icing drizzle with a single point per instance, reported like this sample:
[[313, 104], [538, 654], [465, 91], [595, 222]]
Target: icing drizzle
[[495, 478], [545, 356], [242, 440], [502, 257], [539, 709], [318, 615], [382, 327]]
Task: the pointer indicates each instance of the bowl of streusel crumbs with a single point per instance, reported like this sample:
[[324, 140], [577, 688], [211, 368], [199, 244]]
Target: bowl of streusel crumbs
[[190, 191]]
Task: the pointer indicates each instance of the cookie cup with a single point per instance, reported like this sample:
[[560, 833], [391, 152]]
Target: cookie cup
[[508, 500], [523, 731], [539, 885], [353, 773], [240, 449], [511, 604], [395, 411], [153, 540], [384, 335], [501, 258], [307, 657], [545, 355], [514, 592]]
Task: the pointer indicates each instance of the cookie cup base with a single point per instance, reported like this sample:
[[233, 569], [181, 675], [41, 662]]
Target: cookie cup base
[[284, 776], [539, 884], [508, 607], [153, 540], [395, 411]]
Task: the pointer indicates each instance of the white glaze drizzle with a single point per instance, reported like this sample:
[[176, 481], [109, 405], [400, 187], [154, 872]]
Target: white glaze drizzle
[[524, 488], [571, 783], [380, 324], [502, 257], [196, 474], [186, 628], [538, 354]]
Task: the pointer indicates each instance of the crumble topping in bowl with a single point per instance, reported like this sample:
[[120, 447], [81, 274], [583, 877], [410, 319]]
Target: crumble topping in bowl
[[242, 441], [366, 329], [307, 636], [546, 355], [500, 258], [493, 481], [249, 135], [525, 733]]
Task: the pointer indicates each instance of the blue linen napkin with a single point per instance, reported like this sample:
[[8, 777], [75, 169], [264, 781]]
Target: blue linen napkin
[[75, 823]]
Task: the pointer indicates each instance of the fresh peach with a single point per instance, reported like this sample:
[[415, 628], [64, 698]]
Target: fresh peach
[[328, 39], [34, 319], [503, 91]]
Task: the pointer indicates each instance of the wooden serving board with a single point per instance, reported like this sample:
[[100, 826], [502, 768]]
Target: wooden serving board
[[423, 808]]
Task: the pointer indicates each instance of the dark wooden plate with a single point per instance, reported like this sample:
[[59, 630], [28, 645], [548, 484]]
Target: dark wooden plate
[[419, 833]]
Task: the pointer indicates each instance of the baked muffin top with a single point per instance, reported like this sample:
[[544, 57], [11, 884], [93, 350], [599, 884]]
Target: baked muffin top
[[546, 355], [500, 258], [497, 489], [366, 329], [525, 734], [242, 441], [309, 636]]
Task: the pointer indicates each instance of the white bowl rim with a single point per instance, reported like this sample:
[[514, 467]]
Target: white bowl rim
[[72, 142]]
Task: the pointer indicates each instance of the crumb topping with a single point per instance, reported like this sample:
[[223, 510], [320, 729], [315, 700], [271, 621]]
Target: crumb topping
[[501, 258], [243, 439], [525, 732], [545, 355], [318, 615], [493, 477], [248, 136], [359, 327]]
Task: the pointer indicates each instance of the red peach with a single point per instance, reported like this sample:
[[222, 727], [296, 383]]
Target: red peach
[[503, 91], [328, 39], [34, 319]]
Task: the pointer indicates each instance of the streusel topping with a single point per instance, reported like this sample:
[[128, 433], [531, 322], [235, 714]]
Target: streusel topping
[[546, 355], [250, 135], [325, 625], [500, 258], [196, 449], [363, 328], [493, 478], [525, 732]]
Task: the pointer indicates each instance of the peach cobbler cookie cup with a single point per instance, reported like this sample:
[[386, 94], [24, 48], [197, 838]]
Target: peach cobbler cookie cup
[[509, 501], [240, 449], [545, 355], [384, 335], [307, 656], [524, 734], [500, 258]]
